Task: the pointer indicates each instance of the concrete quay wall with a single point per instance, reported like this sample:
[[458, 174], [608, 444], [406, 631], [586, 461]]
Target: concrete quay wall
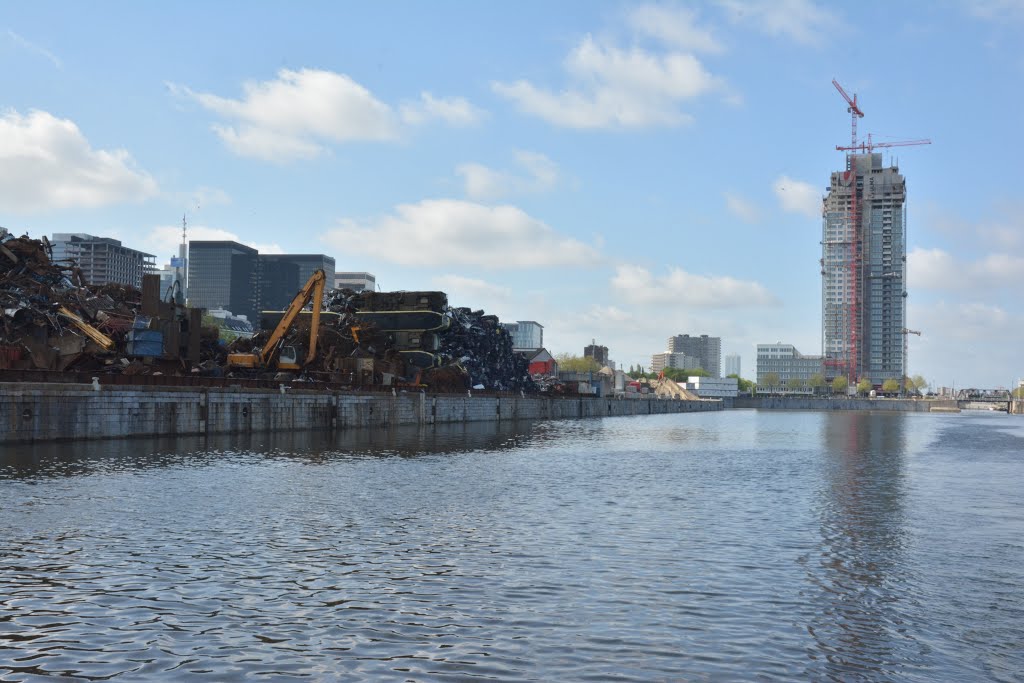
[[55, 412], [905, 405]]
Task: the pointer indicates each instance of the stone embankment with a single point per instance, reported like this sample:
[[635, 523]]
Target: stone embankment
[[54, 412], [905, 405]]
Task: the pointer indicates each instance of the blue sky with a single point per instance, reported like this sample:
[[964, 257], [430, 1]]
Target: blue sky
[[616, 171]]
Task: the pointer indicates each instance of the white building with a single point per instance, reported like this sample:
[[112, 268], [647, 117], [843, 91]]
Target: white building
[[357, 282], [714, 387], [103, 260], [732, 365]]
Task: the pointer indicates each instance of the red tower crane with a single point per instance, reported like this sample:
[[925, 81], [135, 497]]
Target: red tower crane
[[856, 237]]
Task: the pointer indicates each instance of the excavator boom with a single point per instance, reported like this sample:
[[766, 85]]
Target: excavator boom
[[312, 290]]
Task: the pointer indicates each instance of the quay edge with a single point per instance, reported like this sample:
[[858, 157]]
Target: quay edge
[[33, 412]]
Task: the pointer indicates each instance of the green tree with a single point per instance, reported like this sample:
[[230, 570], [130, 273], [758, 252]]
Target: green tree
[[568, 362], [920, 384], [863, 386], [817, 382], [891, 386], [840, 385], [771, 380], [744, 385]]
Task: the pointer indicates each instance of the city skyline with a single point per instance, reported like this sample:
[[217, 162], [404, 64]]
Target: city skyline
[[618, 171]]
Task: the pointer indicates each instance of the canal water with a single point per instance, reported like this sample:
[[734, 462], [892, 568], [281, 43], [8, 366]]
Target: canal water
[[741, 545]]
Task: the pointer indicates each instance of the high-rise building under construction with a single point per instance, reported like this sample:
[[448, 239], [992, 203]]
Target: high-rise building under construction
[[863, 268]]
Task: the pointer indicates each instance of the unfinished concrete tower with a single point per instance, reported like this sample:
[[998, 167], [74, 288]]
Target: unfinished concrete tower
[[863, 269]]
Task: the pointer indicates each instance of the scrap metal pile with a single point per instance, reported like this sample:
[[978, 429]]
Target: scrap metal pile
[[51, 319]]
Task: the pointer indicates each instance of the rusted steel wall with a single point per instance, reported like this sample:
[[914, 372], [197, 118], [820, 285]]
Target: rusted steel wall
[[53, 412]]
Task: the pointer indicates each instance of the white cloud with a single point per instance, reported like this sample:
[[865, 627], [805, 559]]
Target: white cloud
[[743, 209], [482, 182], [442, 232], [936, 269], [457, 111], [295, 114], [46, 163], [799, 20], [617, 88], [163, 240], [674, 26], [298, 114], [32, 47], [471, 292], [797, 196], [679, 288]]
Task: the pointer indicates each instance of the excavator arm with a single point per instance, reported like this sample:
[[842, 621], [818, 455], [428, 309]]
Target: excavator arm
[[313, 289]]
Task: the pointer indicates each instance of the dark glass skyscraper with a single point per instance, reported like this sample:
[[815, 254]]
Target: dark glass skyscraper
[[224, 274]]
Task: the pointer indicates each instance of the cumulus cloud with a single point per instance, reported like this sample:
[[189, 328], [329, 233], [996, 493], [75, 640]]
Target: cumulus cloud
[[796, 196], [46, 163], [936, 269], [674, 26], [637, 285], [743, 209], [801, 21], [457, 111], [292, 116], [616, 88], [442, 232], [163, 240], [482, 182]]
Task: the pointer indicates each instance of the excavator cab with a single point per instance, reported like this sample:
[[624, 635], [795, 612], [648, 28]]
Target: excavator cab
[[288, 358]]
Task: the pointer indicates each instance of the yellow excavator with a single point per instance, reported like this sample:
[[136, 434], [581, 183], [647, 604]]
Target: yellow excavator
[[288, 357]]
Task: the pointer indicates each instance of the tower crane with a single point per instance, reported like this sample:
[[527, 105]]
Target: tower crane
[[854, 110]]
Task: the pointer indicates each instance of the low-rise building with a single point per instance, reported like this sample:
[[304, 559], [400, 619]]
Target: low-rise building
[[526, 334], [792, 368], [357, 282], [714, 387]]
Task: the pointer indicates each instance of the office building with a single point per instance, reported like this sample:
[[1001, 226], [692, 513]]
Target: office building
[[707, 349], [863, 270], [282, 275], [598, 353], [526, 334], [357, 282], [225, 275], [103, 260], [732, 365], [793, 368]]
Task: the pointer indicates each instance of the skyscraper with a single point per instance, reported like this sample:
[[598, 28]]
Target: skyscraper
[[224, 274], [863, 270], [732, 364]]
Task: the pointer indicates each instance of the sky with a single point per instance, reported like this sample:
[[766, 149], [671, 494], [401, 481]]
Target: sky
[[618, 172]]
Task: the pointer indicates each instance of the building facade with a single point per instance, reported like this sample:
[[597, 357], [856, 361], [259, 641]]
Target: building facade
[[714, 387], [660, 361], [282, 275], [793, 368], [103, 260], [526, 334], [732, 365], [707, 349], [863, 270], [357, 282], [224, 274], [598, 353]]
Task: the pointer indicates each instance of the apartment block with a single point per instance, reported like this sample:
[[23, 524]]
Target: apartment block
[[707, 349]]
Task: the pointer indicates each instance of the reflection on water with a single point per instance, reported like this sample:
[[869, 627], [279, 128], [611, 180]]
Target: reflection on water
[[859, 568], [739, 545]]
